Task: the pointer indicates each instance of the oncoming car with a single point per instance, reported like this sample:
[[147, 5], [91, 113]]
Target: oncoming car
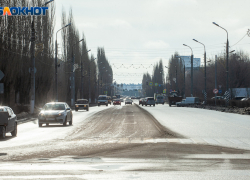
[[55, 113], [82, 104]]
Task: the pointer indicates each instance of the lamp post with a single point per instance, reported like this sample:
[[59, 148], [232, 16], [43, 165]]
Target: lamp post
[[33, 65], [73, 76], [82, 75], [205, 72], [184, 76], [89, 79], [191, 69], [55, 89], [227, 49]]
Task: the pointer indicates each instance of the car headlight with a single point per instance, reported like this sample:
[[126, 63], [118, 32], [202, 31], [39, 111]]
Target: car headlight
[[76, 105], [41, 114]]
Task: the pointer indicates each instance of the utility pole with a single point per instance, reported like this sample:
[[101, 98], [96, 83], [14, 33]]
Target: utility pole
[[89, 83], [192, 73], [72, 80], [32, 69], [81, 80], [215, 77]]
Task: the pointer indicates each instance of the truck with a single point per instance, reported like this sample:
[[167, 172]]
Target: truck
[[173, 98]]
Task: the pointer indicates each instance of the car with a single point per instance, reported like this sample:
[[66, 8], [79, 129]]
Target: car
[[121, 99], [109, 100], [140, 101], [149, 101], [102, 100], [239, 98], [159, 100], [117, 102], [217, 97], [128, 101], [82, 104], [245, 99], [55, 113], [8, 122]]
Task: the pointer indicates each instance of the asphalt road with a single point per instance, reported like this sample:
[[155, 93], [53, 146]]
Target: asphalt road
[[126, 142]]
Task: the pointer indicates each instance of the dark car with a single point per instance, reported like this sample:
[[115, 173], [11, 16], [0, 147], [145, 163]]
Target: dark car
[[140, 101], [82, 104], [149, 101], [117, 102], [8, 121], [54, 113]]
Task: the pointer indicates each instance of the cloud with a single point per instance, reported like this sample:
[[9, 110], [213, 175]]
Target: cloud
[[119, 23], [156, 44]]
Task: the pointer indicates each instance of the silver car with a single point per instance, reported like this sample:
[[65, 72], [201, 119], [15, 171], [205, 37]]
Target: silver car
[[55, 113]]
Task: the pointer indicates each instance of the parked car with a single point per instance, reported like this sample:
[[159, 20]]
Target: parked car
[[239, 98], [159, 100], [54, 113], [245, 99], [149, 101], [117, 102], [218, 97], [82, 104], [128, 101], [102, 100], [8, 121], [188, 101]]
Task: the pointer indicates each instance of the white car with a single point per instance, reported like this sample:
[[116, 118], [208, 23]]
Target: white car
[[54, 113]]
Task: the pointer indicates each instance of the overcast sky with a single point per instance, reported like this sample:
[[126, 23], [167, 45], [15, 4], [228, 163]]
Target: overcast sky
[[145, 31]]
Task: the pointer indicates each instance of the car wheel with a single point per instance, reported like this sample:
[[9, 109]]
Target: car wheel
[[2, 132], [150, 105], [88, 109], [65, 122], [47, 124], [40, 124], [14, 132], [98, 104], [106, 104], [71, 121], [154, 105], [76, 110]]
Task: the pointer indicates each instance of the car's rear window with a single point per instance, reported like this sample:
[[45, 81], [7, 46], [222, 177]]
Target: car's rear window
[[150, 98]]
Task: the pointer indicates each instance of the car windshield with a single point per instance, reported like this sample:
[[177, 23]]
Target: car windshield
[[82, 102], [54, 107], [102, 98], [150, 98]]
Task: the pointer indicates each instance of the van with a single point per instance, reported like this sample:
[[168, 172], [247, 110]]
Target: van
[[159, 100], [103, 100], [188, 101]]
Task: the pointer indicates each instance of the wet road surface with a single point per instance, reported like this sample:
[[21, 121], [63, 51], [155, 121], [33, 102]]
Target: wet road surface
[[118, 142]]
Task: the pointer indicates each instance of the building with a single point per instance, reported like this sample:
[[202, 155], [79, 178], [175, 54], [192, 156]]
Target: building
[[187, 61]]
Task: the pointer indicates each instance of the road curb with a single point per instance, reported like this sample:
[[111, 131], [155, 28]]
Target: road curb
[[24, 120]]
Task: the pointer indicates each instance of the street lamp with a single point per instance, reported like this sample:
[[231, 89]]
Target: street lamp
[[82, 75], [191, 69], [33, 65], [205, 72], [227, 48], [73, 75], [55, 89], [184, 71]]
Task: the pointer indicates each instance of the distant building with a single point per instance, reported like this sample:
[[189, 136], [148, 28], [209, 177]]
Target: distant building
[[187, 60], [132, 86]]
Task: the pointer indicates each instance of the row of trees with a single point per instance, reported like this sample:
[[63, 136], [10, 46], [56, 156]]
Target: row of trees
[[16, 60], [15, 36], [157, 80], [239, 73]]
